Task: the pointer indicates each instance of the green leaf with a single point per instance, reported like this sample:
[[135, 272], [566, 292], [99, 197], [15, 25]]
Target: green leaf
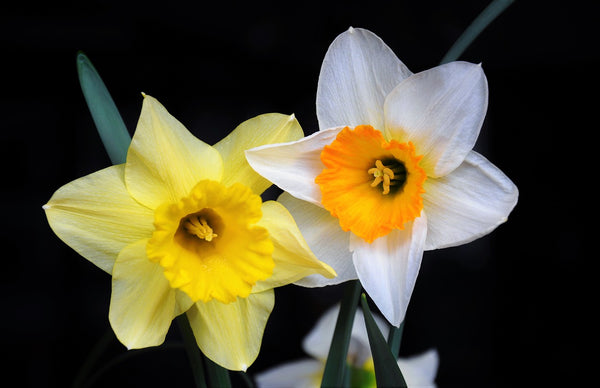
[[336, 373], [104, 112], [394, 339], [491, 12], [387, 372]]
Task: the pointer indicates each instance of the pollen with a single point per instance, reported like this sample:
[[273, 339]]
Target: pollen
[[371, 185]]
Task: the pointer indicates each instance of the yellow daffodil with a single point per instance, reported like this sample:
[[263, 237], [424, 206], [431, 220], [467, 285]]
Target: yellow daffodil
[[391, 172], [418, 371], [181, 227]]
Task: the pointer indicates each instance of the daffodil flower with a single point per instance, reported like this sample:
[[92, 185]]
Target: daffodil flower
[[391, 172], [418, 371], [181, 227]]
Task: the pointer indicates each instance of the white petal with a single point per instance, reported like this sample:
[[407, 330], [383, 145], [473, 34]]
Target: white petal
[[297, 374], [358, 72], [388, 267], [294, 166], [441, 111], [468, 203], [420, 370], [318, 340], [325, 238], [142, 303]]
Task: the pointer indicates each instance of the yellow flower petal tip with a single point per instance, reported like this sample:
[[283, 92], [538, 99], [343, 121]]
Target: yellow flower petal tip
[[209, 245], [371, 185]]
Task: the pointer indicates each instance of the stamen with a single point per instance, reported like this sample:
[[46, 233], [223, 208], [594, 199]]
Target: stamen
[[198, 227], [384, 174]]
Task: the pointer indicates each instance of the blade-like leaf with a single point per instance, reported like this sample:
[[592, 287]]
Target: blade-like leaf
[[487, 16], [106, 116], [387, 372], [394, 339], [336, 372]]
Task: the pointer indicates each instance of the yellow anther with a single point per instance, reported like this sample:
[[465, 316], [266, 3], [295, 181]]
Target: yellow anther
[[383, 174], [199, 227]]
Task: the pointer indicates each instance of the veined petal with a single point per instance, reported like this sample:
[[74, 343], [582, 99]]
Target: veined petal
[[264, 129], [142, 304], [306, 373], [293, 166], [388, 267], [293, 258], [325, 238], [231, 334], [183, 302], [358, 72], [420, 370], [468, 203], [165, 161], [441, 111], [96, 216]]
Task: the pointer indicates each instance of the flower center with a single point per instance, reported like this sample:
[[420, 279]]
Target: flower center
[[371, 185], [196, 225], [394, 174], [208, 243]]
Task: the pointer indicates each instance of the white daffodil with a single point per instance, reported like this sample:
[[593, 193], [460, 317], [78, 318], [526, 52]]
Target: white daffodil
[[418, 371], [391, 172]]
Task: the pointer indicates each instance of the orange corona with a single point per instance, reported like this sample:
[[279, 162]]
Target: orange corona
[[371, 185]]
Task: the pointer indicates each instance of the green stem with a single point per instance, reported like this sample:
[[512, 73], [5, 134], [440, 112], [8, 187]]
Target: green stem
[[192, 350], [123, 357], [394, 339], [335, 368], [217, 375], [98, 349], [488, 15]]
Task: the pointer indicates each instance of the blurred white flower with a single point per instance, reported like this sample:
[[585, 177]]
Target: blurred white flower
[[418, 371]]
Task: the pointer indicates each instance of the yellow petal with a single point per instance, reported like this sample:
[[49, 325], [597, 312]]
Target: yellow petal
[[264, 129], [96, 216], [165, 161], [293, 258], [231, 334], [142, 304]]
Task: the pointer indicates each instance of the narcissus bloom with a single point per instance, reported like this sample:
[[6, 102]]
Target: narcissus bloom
[[181, 227], [391, 172], [418, 371]]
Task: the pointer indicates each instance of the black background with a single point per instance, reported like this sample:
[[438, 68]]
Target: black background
[[511, 309]]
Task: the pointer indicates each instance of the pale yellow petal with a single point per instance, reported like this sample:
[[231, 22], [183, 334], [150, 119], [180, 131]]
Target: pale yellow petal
[[231, 334], [142, 304], [165, 161], [96, 216], [293, 258], [264, 129], [184, 302]]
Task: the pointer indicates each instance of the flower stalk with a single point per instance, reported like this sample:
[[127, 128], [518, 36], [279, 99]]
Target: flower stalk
[[336, 368]]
